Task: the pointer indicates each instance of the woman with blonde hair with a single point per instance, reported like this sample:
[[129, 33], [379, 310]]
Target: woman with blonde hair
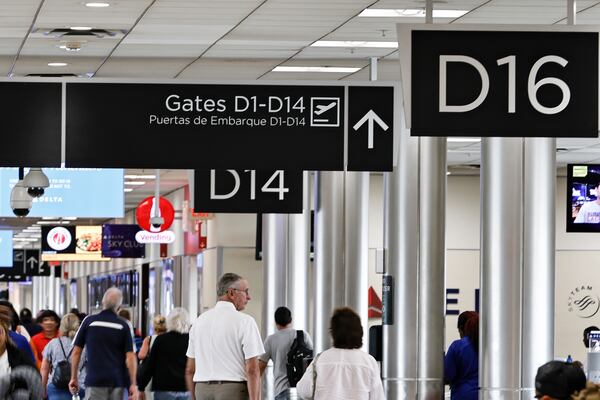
[[55, 354], [591, 392], [168, 352], [159, 325]]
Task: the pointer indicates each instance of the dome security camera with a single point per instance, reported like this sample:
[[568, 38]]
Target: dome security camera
[[36, 181], [157, 222], [20, 201]]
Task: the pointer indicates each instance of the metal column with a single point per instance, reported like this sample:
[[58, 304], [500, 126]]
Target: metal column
[[274, 268], [298, 260], [539, 186], [401, 242], [432, 251], [501, 258], [329, 253], [357, 247]]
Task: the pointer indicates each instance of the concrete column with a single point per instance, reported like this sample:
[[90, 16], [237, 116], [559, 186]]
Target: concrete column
[[501, 258], [432, 257], [539, 187], [298, 260], [401, 243], [329, 252]]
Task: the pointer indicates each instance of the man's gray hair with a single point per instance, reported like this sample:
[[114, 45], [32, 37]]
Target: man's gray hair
[[112, 300], [178, 320], [227, 281]]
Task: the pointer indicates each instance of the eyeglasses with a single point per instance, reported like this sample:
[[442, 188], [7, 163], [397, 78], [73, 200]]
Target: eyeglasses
[[247, 291]]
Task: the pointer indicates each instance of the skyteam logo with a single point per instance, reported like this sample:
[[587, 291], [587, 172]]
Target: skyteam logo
[[583, 301]]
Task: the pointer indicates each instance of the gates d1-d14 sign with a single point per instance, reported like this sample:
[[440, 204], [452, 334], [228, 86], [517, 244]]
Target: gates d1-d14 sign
[[487, 81]]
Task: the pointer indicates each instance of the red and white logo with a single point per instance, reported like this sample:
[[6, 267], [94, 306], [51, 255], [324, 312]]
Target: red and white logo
[[59, 238]]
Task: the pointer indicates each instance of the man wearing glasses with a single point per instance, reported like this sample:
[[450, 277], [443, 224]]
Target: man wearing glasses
[[224, 347]]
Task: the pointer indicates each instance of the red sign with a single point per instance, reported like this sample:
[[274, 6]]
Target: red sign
[[375, 304], [146, 212]]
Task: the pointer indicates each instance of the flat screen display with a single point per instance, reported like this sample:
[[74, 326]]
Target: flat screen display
[[72, 243], [6, 249], [583, 198], [73, 192]]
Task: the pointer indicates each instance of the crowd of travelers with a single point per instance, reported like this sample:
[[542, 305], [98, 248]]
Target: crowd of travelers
[[220, 355]]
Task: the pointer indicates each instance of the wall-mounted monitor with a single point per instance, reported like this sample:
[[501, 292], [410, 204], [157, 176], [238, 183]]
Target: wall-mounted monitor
[[583, 198], [73, 192]]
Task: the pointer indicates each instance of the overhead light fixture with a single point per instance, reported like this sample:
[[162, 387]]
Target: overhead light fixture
[[57, 64], [127, 190], [97, 5], [139, 176], [134, 183], [354, 44], [316, 69], [410, 12], [24, 239], [80, 28], [69, 48], [48, 222], [464, 140], [69, 218]]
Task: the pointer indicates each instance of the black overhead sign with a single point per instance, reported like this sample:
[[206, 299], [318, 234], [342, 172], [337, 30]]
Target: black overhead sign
[[31, 124], [25, 263], [473, 82], [248, 191], [261, 127], [370, 128], [205, 126]]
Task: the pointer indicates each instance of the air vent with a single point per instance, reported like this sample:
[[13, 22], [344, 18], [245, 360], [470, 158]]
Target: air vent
[[53, 75], [67, 32]]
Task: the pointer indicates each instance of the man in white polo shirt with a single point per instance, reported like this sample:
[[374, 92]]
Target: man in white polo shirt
[[224, 347]]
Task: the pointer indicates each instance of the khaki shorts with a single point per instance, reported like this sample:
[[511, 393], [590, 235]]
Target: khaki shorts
[[104, 393], [221, 391]]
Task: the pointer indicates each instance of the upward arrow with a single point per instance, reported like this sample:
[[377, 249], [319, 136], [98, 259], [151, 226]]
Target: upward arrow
[[371, 117], [32, 261]]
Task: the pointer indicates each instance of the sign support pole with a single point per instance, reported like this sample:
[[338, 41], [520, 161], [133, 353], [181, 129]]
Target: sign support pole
[[432, 256]]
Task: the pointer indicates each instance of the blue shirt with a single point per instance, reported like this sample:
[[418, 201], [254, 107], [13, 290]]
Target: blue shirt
[[461, 370], [107, 339], [22, 344]]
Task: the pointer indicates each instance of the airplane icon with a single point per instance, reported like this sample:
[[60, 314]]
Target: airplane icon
[[323, 108]]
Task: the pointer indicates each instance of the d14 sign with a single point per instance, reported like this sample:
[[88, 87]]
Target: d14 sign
[[475, 82], [248, 191]]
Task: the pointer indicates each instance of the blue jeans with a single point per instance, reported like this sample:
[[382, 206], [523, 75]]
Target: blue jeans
[[55, 393], [285, 395], [171, 395]]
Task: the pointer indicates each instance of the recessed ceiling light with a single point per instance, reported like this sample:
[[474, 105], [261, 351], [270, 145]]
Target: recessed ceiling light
[[139, 176], [134, 183], [464, 140], [353, 43], [81, 28], [97, 5], [57, 64], [67, 48], [316, 69], [127, 190], [410, 12]]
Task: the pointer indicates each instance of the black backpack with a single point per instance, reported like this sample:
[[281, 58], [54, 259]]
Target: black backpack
[[61, 374], [296, 364]]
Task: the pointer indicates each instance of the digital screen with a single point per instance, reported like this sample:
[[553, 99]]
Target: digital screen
[[6, 249], [72, 243], [73, 192], [583, 198]]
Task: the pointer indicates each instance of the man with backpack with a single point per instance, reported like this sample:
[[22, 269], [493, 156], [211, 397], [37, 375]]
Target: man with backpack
[[288, 349]]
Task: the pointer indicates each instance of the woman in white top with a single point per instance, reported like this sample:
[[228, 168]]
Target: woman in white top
[[344, 372]]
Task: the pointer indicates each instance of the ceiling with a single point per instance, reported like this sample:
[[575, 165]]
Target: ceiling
[[244, 40]]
